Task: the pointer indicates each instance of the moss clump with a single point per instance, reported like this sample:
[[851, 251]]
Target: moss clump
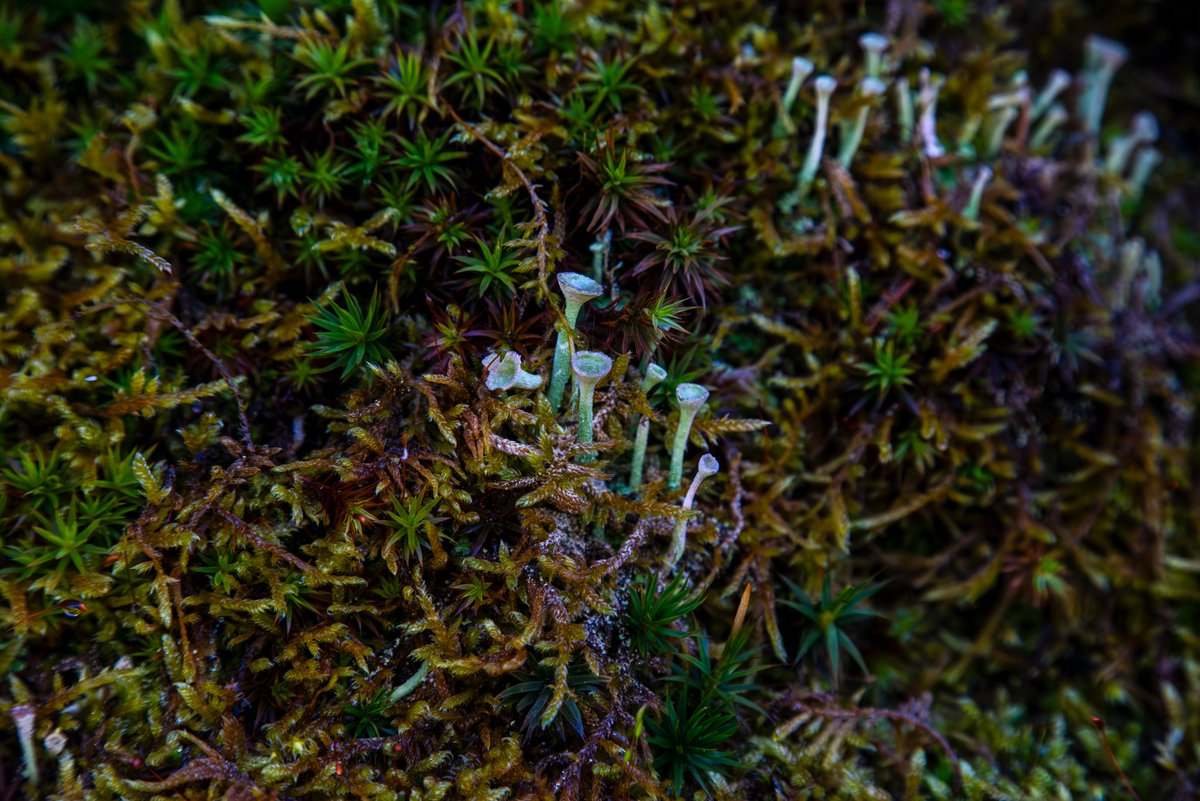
[[293, 494]]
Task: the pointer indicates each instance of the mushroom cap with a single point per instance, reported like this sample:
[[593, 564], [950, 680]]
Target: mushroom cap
[[874, 42], [708, 465], [590, 366], [691, 396], [578, 287]]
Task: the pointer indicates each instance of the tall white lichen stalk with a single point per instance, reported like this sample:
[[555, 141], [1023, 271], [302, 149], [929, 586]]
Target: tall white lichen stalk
[[601, 249], [1053, 119], [1003, 111], [577, 290], [825, 85], [505, 372], [590, 368], [971, 212], [691, 398], [654, 376], [904, 109], [1143, 131], [24, 718], [1143, 167], [853, 130], [927, 100], [1104, 57], [874, 45], [707, 467], [1056, 84], [801, 69]]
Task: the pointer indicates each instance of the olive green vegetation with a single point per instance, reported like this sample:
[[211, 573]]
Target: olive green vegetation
[[290, 508]]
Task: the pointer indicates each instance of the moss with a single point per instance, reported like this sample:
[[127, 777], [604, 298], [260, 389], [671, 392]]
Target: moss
[[295, 504]]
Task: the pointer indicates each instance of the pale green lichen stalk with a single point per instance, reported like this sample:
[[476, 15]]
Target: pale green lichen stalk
[[1004, 111], [1143, 166], [1143, 131], [852, 131], [654, 376], [801, 69], [590, 368], [1104, 58], [691, 397], [825, 84], [875, 45], [707, 467], [904, 109], [927, 100], [971, 212], [1056, 84], [1053, 119], [577, 290], [505, 372], [24, 718]]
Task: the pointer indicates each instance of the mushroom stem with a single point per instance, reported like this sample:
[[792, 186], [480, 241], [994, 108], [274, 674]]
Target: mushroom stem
[[691, 397], [707, 467], [654, 375], [577, 290], [825, 85]]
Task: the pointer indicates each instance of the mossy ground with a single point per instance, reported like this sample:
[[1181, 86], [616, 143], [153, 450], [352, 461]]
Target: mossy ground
[[267, 533]]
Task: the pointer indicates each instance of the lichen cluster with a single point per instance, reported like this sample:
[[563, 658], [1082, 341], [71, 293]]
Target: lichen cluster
[[589, 400]]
